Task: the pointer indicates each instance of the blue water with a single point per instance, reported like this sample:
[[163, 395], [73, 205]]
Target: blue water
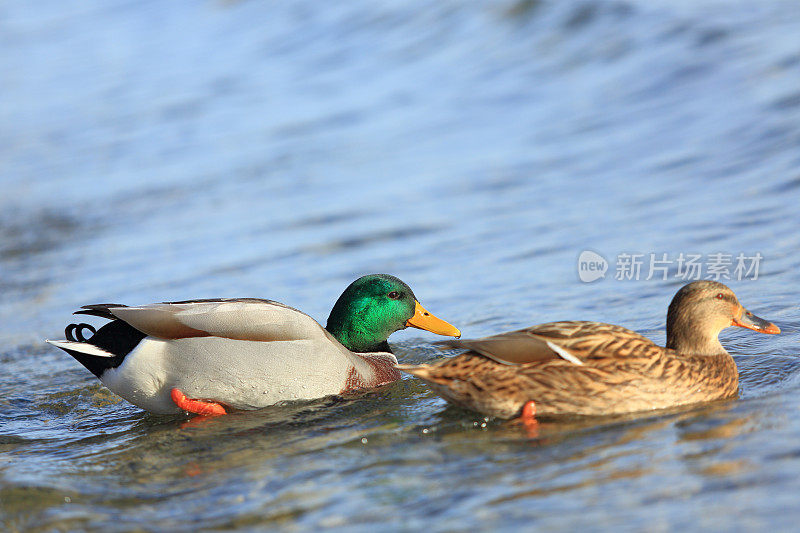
[[154, 151]]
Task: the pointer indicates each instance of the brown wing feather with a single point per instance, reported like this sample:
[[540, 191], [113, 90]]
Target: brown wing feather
[[161, 320], [512, 348], [593, 340], [583, 340], [162, 325]]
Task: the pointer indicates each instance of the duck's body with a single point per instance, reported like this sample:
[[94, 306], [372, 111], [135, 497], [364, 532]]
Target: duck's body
[[613, 370], [245, 353], [592, 368], [242, 353]]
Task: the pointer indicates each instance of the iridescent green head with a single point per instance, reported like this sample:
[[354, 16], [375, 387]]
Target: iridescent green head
[[375, 306]]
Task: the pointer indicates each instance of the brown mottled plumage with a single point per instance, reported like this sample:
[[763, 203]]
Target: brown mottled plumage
[[591, 368]]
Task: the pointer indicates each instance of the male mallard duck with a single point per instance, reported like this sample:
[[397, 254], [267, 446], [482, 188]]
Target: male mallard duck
[[590, 368], [247, 353]]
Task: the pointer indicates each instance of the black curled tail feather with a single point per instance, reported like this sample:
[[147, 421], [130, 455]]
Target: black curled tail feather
[[117, 338], [74, 332]]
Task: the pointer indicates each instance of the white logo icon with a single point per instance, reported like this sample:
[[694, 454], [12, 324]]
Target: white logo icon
[[591, 266]]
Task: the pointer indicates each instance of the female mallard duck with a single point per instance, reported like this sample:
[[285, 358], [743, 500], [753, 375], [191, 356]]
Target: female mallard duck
[[247, 353], [590, 368]]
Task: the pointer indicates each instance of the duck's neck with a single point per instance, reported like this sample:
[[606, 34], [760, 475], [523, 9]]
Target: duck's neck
[[685, 337], [382, 347], [356, 338], [358, 344]]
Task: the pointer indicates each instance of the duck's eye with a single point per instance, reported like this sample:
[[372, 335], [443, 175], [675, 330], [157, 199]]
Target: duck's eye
[[720, 296], [394, 295]]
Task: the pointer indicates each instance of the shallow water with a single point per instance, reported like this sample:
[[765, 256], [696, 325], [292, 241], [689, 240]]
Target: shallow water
[[155, 151]]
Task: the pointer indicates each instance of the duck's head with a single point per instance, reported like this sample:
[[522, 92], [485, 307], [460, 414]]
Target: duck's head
[[700, 310], [375, 306]]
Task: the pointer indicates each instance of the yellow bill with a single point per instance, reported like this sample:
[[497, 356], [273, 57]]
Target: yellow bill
[[422, 319]]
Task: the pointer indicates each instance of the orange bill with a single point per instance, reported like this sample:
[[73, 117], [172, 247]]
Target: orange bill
[[750, 321], [422, 319]]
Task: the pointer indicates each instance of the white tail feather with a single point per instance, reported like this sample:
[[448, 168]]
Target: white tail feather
[[82, 347]]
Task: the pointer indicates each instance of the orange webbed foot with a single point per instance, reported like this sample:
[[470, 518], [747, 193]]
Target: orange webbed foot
[[196, 406], [528, 420]]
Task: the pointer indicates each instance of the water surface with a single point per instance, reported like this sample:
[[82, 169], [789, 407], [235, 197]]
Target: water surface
[[158, 151]]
